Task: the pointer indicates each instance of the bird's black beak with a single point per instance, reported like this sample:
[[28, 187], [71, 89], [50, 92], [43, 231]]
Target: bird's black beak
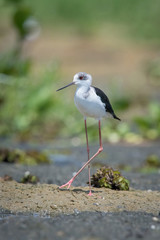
[[72, 83]]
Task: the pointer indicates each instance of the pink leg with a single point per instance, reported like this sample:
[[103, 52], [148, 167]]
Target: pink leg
[[98, 152], [89, 175]]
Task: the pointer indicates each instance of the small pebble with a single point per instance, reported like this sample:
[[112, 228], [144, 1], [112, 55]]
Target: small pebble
[[76, 211], [53, 206], [97, 204], [153, 227], [60, 234], [149, 190], [155, 219], [101, 197]]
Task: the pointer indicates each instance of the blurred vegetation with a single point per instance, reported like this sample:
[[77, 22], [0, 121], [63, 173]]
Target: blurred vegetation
[[153, 161], [141, 18], [26, 105], [23, 157], [12, 64], [26, 27], [153, 71], [149, 125], [151, 164]]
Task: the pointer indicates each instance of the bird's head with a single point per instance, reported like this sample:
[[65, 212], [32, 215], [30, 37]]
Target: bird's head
[[80, 79]]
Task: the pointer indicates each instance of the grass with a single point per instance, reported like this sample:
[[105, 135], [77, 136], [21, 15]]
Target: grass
[[140, 17]]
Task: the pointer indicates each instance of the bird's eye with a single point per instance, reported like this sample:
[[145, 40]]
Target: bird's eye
[[81, 77]]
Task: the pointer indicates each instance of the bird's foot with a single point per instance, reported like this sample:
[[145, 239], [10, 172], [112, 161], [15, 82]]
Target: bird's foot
[[67, 184], [90, 193]]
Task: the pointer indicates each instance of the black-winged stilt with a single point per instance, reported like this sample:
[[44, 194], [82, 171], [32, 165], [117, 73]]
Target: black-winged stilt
[[91, 102]]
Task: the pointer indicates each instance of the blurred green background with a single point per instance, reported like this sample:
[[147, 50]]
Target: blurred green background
[[44, 43]]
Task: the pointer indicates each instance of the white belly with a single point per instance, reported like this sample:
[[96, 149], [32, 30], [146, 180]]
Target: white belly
[[91, 105]]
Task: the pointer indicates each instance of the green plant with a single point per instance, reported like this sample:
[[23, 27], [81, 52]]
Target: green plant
[[109, 178], [29, 178]]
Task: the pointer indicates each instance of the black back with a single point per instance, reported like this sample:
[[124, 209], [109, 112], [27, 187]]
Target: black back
[[106, 101]]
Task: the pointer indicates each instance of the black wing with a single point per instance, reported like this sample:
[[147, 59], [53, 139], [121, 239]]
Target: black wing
[[106, 101]]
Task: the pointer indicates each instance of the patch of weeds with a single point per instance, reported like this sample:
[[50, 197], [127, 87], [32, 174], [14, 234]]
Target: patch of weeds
[[149, 127], [109, 178], [22, 157], [151, 164], [153, 161], [29, 178]]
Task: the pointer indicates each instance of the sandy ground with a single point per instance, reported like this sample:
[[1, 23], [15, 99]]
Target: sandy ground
[[44, 198]]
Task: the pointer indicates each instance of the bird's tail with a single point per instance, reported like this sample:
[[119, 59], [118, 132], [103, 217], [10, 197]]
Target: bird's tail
[[114, 115]]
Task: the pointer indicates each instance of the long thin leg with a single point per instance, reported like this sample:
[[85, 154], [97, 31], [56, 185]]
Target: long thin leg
[[89, 168], [98, 152]]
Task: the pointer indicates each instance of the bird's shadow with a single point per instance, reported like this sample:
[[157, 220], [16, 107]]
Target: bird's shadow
[[85, 191], [79, 190]]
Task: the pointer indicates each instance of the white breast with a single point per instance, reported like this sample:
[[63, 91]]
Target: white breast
[[89, 103]]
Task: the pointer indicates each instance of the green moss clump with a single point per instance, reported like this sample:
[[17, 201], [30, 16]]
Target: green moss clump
[[22, 157], [109, 178], [153, 161], [28, 178]]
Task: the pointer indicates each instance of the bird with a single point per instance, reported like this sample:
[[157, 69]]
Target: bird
[[91, 102]]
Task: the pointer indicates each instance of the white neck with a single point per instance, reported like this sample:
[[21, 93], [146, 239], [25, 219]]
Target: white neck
[[83, 88]]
